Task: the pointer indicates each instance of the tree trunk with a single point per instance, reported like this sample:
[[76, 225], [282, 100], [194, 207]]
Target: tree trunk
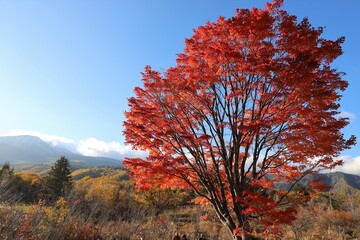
[[243, 236]]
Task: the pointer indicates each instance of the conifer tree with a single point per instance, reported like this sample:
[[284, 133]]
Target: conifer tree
[[58, 181], [6, 170]]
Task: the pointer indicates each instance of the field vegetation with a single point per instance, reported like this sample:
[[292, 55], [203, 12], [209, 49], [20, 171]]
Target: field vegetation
[[103, 203]]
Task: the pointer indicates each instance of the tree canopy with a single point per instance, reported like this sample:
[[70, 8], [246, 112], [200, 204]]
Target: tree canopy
[[253, 101]]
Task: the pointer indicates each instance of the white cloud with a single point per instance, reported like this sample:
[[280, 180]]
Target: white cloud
[[351, 165], [88, 147], [349, 115], [95, 147]]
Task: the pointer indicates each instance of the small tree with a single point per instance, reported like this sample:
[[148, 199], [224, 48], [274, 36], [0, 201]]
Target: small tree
[[6, 171], [252, 101], [7, 190], [160, 200], [58, 181], [28, 186]]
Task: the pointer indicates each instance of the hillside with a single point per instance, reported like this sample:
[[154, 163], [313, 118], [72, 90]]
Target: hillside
[[341, 182], [96, 172], [25, 151]]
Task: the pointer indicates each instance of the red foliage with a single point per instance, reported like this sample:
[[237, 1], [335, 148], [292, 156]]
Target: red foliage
[[252, 101]]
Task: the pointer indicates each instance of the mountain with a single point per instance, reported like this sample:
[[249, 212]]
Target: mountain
[[23, 151], [340, 182], [33, 154]]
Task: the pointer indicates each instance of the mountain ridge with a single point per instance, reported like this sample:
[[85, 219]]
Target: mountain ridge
[[341, 182], [31, 150]]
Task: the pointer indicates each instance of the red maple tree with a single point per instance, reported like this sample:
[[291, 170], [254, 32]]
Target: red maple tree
[[252, 101]]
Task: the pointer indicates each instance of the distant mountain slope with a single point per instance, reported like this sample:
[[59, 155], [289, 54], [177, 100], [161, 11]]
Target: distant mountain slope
[[97, 172], [340, 182], [30, 150], [25, 149]]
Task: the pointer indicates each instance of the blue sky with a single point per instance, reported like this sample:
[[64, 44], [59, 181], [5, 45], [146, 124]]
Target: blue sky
[[67, 67]]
